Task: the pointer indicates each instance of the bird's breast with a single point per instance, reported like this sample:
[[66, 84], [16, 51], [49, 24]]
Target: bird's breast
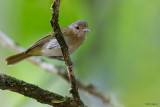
[[52, 48], [74, 43]]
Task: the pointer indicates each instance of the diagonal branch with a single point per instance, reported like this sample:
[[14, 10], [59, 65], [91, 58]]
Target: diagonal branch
[[9, 43], [32, 91], [64, 48]]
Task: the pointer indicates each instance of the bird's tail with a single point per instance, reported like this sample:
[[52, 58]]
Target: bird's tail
[[16, 58]]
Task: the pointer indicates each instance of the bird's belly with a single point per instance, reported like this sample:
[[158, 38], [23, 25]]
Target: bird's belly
[[51, 52], [56, 51]]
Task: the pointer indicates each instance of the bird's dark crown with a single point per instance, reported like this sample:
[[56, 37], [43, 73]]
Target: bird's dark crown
[[80, 23]]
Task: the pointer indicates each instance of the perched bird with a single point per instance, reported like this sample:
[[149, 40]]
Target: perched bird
[[74, 35]]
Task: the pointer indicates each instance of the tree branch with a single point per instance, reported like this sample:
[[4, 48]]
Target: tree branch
[[49, 67], [64, 48], [32, 91], [9, 43]]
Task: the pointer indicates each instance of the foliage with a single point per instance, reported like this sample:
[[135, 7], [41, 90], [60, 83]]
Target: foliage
[[120, 56]]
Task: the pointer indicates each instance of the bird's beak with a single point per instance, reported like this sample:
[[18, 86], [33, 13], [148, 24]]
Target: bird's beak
[[86, 29]]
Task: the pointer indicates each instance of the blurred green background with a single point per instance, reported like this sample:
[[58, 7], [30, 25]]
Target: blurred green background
[[120, 57]]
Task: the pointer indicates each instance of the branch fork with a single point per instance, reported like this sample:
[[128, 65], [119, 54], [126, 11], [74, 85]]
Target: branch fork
[[10, 83]]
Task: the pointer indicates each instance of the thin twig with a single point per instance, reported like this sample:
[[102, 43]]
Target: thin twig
[[49, 67], [64, 48], [32, 91]]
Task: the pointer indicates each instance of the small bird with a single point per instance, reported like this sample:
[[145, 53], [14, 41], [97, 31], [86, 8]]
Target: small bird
[[74, 35]]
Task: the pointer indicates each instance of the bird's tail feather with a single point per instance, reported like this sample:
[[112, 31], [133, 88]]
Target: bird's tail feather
[[16, 58]]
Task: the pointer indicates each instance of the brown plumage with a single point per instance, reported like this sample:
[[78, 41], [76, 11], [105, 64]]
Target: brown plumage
[[16, 58], [48, 46]]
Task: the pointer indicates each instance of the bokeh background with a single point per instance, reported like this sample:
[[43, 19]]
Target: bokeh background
[[120, 57]]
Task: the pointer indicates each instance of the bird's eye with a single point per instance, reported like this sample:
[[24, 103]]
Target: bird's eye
[[77, 27]]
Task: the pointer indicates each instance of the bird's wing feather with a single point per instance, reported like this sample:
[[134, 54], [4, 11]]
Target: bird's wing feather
[[54, 43], [41, 41], [65, 31]]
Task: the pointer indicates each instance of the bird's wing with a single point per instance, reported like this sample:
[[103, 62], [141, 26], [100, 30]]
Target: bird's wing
[[41, 41], [65, 31], [54, 43]]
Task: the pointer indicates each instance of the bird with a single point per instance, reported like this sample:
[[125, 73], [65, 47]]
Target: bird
[[48, 46]]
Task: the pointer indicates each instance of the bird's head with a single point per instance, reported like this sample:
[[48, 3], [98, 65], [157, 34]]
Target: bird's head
[[79, 28]]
